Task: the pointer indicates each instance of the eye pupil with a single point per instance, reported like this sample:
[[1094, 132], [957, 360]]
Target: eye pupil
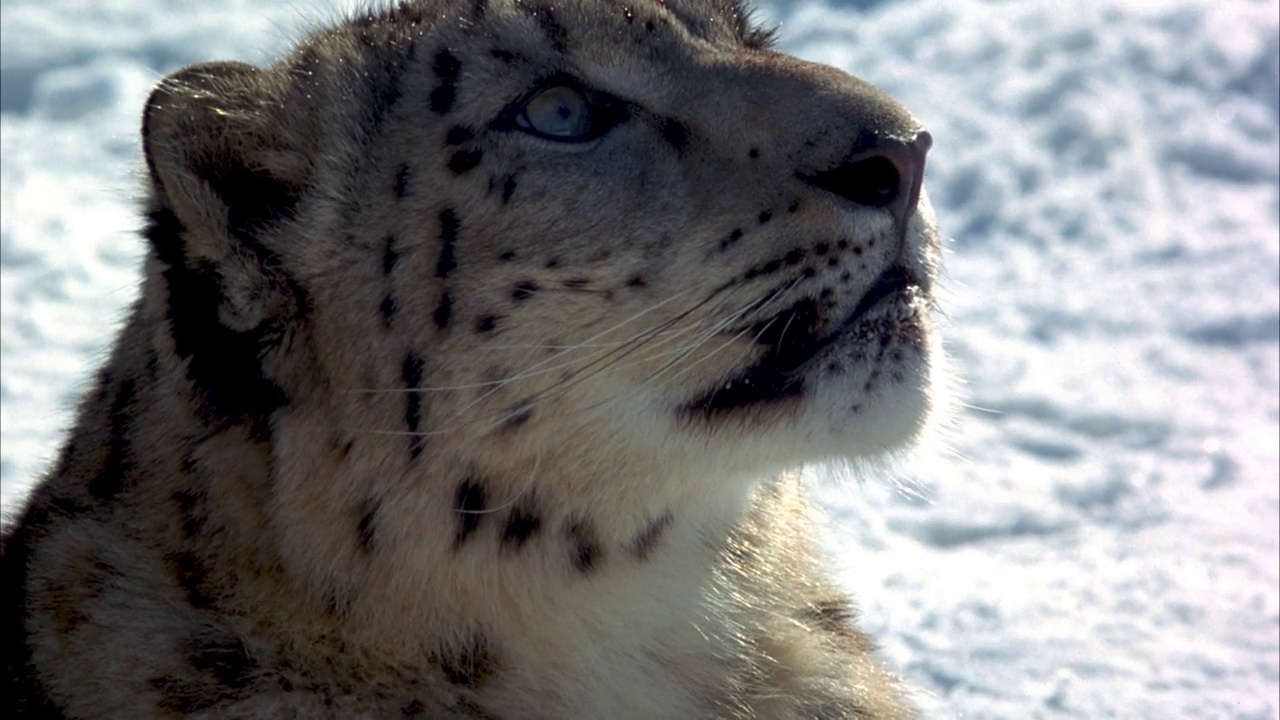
[[562, 113]]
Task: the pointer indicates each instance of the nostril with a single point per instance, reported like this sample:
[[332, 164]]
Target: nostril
[[887, 175], [871, 182]]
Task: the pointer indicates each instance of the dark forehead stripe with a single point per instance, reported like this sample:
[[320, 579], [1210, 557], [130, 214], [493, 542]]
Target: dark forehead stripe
[[508, 188], [411, 373], [387, 308], [444, 311], [448, 239], [447, 68], [389, 255]]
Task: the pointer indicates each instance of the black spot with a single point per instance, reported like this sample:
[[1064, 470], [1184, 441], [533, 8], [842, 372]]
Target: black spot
[[111, 479], [794, 256], [388, 308], [469, 504], [401, 185], [553, 262], [507, 255], [458, 134], [448, 238], [524, 290], [413, 709], [676, 134], [447, 68], [521, 525], [576, 283], [821, 248], [411, 373], [444, 311], [584, 550], [519, 416], [469, 666], [636, 281], [366, 527], [486, 323], [465, 161], [508, 188], [767, 268], [478, 9], [389, 255], [794, 206], [765, 216], [505, 56], [753, 153], [642, 545], [730, 239], [842, 245]]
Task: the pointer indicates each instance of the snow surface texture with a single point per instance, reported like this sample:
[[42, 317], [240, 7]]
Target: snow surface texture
[[1098, 533]]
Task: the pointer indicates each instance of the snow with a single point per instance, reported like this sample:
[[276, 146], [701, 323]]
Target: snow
[[1096, 532]]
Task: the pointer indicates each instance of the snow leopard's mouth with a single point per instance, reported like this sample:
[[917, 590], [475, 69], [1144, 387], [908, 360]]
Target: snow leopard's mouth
[[792, 341]]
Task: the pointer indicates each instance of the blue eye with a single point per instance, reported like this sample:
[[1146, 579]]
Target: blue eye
[[564, 111], [558, 113]]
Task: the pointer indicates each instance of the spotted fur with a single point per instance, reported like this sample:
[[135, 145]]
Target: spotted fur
[[475, 343]]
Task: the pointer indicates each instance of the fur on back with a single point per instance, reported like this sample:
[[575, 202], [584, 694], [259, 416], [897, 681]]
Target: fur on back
[[476, 343]]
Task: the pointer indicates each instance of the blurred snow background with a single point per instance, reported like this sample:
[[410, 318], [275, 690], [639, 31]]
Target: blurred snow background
[[1099, 533]]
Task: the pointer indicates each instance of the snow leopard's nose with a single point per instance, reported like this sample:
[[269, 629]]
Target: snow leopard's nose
[[880, 173]]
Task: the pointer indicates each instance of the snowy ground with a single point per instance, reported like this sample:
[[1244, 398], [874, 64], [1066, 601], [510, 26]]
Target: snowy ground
[[1100, 535]]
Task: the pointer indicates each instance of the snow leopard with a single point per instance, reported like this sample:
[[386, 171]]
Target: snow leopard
[[477, 346]]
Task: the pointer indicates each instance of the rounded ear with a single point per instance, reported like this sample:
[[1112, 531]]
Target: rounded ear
[[225, 174], [219, 155]]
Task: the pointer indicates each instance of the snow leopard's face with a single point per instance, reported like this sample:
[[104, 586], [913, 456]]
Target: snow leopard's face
[[577, 229]]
